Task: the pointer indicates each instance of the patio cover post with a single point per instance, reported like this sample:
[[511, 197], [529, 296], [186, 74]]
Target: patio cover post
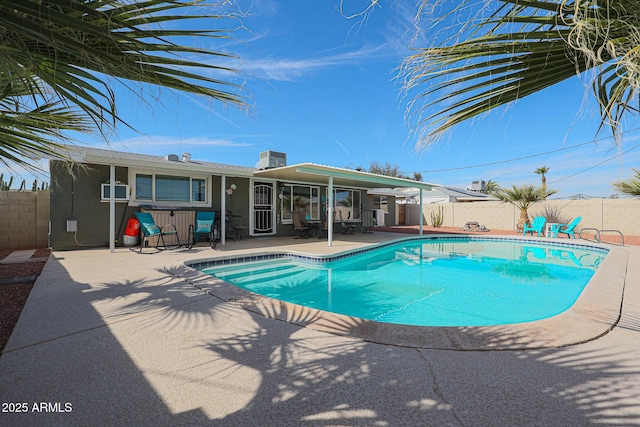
[[223, 210], [421, 211], [112, 207], [330, 216]]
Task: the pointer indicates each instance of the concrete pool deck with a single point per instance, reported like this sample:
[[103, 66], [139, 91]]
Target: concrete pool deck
[[124, 339]]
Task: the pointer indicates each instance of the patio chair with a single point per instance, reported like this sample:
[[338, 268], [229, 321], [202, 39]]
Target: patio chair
[[347, 228], [149, 229], [368, 221], [537, 225], [565, 228], [204, 226], [323, 229], [298, 226]]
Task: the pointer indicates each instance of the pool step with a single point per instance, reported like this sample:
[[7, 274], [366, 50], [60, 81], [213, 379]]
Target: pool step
[[255, 271]]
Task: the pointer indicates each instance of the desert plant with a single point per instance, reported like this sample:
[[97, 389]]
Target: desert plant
[[5, 186], [518, 49], [542, 171], [630, 186], [437, 218], [553, 214], [491, 187], [522, 197], [43, 186], [64, 55]]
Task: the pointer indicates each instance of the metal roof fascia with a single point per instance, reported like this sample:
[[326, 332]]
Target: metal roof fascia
[[163, 164], [361, 176]]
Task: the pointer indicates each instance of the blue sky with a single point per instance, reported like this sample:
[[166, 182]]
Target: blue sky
[[324, 90]]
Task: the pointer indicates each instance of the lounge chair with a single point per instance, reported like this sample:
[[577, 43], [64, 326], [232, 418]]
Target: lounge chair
[[537, 225], [368, 221], [565, 228], [347, 228], [298, 226], [204, 226], [150, 229]]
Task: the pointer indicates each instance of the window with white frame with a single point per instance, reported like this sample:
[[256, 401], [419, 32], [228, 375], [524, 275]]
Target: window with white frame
[[381, 202], [303, 198], [170, 189], [347, 203]]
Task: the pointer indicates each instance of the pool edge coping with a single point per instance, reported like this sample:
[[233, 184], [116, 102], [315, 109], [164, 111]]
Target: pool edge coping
[[594, 314]]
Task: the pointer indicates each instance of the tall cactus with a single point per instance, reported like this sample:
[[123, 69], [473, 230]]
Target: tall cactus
[[5, 186], [437, 218]]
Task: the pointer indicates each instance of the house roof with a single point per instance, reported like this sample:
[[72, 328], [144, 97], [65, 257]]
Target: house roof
[[464, 195], [442, 191], [311, 172], [122, 158], [303, 172]]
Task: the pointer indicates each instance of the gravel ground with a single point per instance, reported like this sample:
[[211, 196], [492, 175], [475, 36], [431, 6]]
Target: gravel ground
[[13, 296]]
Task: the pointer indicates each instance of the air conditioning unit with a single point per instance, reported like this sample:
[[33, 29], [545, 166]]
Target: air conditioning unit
[[477, 185], [121, 193], [271, 159]]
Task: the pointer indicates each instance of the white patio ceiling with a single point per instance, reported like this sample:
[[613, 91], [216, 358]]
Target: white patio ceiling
[[338, 177], [314, 173]]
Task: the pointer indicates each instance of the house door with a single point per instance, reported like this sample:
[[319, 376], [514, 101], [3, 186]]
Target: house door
[[263, 209], [400, 214]]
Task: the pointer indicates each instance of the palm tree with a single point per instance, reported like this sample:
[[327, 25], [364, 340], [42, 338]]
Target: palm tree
[[56, 57], [522, 197], [490, 187], [542, 170], [630, 186], [521, 48]]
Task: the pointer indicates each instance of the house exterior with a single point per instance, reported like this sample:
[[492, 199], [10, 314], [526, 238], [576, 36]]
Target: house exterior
[[441, 194], [93, 199]]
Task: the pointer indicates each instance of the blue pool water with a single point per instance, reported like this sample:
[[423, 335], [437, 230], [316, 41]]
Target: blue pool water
[[435, 282]]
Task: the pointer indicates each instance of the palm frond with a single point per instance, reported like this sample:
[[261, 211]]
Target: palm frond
[[630, 186], [62, 52], [524, 195], [522, 48]]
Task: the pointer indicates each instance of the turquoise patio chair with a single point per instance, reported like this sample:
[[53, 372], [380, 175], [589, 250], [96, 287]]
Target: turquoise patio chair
[[537, 225], [565, 228], [204, 226], [149, 229]]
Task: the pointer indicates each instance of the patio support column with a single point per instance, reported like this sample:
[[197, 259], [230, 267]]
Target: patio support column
[[223, 210], [112, 208], [421, 211], [330, 215]]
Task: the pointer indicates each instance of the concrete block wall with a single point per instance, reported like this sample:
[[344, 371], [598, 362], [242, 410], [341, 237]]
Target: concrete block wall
[[602, 214], [24, 219]]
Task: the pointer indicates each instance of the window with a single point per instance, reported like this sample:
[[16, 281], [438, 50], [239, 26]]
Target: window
[[381, 202], [174, 189], [303, 198], [348, 202]]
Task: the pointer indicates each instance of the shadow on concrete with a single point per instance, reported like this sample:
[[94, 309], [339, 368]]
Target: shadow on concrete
[[305, 377]]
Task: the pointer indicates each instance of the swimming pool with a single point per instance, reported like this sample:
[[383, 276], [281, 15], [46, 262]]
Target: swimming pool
[[455, 281]]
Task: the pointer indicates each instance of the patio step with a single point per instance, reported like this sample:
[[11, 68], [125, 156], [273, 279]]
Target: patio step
[[244, 268]]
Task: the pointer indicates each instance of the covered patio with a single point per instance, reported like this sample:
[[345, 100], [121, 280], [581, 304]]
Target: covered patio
[[334, 177]]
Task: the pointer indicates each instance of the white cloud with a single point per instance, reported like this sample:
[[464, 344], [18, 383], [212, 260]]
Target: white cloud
[[286, 69], [140, 143]]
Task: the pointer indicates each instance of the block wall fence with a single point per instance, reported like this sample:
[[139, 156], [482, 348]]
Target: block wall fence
[[603, 214], [24, 216], [24, 219]]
